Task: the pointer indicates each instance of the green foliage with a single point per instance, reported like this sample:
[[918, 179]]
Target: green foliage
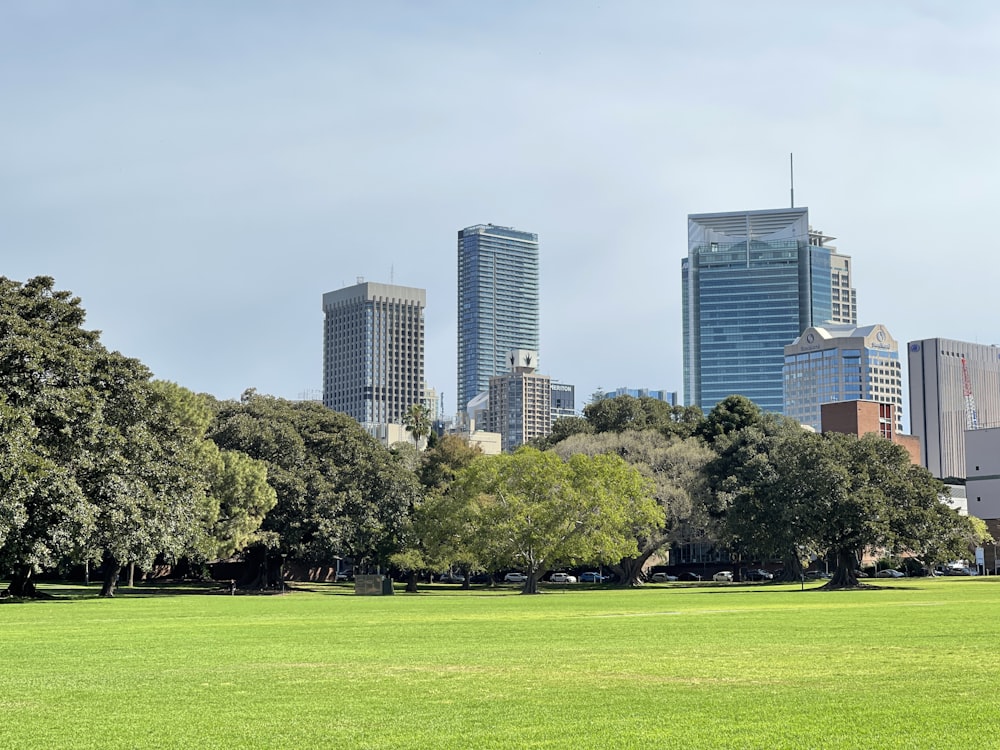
[[730, 415], [623, 413], [107, 471], [417, 421], [338, 490], [675, 467], [535, 512]]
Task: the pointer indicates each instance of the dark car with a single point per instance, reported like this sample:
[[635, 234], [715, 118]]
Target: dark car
[[689, 576], [593, 577], [480, 578], [758, 574]]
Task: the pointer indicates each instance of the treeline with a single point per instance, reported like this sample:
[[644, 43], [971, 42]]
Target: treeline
[[101, 464]]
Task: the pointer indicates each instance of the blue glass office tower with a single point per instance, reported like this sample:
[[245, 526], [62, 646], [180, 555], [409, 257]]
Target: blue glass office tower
[[753, 281], [497, 303]]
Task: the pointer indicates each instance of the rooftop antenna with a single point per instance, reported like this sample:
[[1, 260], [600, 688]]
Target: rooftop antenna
[[392, 274], [791, 176]]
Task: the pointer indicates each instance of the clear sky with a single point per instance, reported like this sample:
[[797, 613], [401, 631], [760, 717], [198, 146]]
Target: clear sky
[[200, 173]]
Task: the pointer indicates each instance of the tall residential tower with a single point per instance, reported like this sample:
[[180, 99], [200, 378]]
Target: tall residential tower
[[497, 303], [373, 352], [752, 282]]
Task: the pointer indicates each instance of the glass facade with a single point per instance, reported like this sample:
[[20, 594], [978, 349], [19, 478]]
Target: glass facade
[[841, 363], [497, 303], [752, 282]]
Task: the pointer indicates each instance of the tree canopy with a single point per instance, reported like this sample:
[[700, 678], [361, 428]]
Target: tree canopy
[[535, 512]]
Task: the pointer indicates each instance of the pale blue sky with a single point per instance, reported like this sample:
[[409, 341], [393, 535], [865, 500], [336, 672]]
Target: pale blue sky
[[201, 173]]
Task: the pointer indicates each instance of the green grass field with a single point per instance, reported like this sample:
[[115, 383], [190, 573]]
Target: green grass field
[[915, 665]]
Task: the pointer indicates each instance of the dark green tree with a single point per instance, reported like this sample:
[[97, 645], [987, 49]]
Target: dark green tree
[[339, 492]]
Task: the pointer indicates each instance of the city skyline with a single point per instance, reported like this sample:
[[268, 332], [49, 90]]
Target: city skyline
[[199, 175]]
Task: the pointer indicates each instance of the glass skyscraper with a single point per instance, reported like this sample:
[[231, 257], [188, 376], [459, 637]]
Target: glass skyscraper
[[497, 303], [753, 281]]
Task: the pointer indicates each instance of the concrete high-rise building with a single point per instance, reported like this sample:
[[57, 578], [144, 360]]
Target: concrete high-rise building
[[497, 303], [939, 413], [752, 282], [373, 353], [841, 363], [520, 402]]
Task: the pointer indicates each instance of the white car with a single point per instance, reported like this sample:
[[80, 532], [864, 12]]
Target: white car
[[662, 578], [562, 578], [890, 573], [515, 578], [723, 576]]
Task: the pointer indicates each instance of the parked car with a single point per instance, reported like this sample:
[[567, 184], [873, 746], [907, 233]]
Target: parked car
[[450, 577], [562, 578], [961, 571], [480, 578], [723, 576], [690, 576], [890, 573], [593, 577], [515, 578], [661, 577], [758, 574]]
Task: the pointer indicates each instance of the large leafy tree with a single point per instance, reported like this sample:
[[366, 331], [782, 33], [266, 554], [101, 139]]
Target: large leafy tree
[[888, 503], [535, 511], [339, 491], [776, 480], [437, 534], [673, 465], [623, 413], [104, 475]]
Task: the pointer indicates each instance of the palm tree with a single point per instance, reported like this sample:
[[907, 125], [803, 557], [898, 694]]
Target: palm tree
[[417, 421]]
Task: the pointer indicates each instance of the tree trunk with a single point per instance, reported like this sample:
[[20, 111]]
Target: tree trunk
[[466, 578], [531, 585], [629, 569], [21, 584], [844, 576], [131, 575], [411, 582], [793, 568], [112, 569]]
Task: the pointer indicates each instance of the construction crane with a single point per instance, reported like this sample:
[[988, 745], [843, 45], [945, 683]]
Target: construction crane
[[971, 419]]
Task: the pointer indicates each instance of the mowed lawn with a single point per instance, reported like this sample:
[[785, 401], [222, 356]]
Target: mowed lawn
[[914, 665]]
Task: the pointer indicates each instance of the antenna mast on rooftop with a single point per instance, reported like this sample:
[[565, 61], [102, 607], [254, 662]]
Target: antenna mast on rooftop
[[791, 176]]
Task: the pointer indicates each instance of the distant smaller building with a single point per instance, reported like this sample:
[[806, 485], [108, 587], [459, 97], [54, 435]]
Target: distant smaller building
[[862, 417], [669, 397], [563, 400], [520, 402]]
